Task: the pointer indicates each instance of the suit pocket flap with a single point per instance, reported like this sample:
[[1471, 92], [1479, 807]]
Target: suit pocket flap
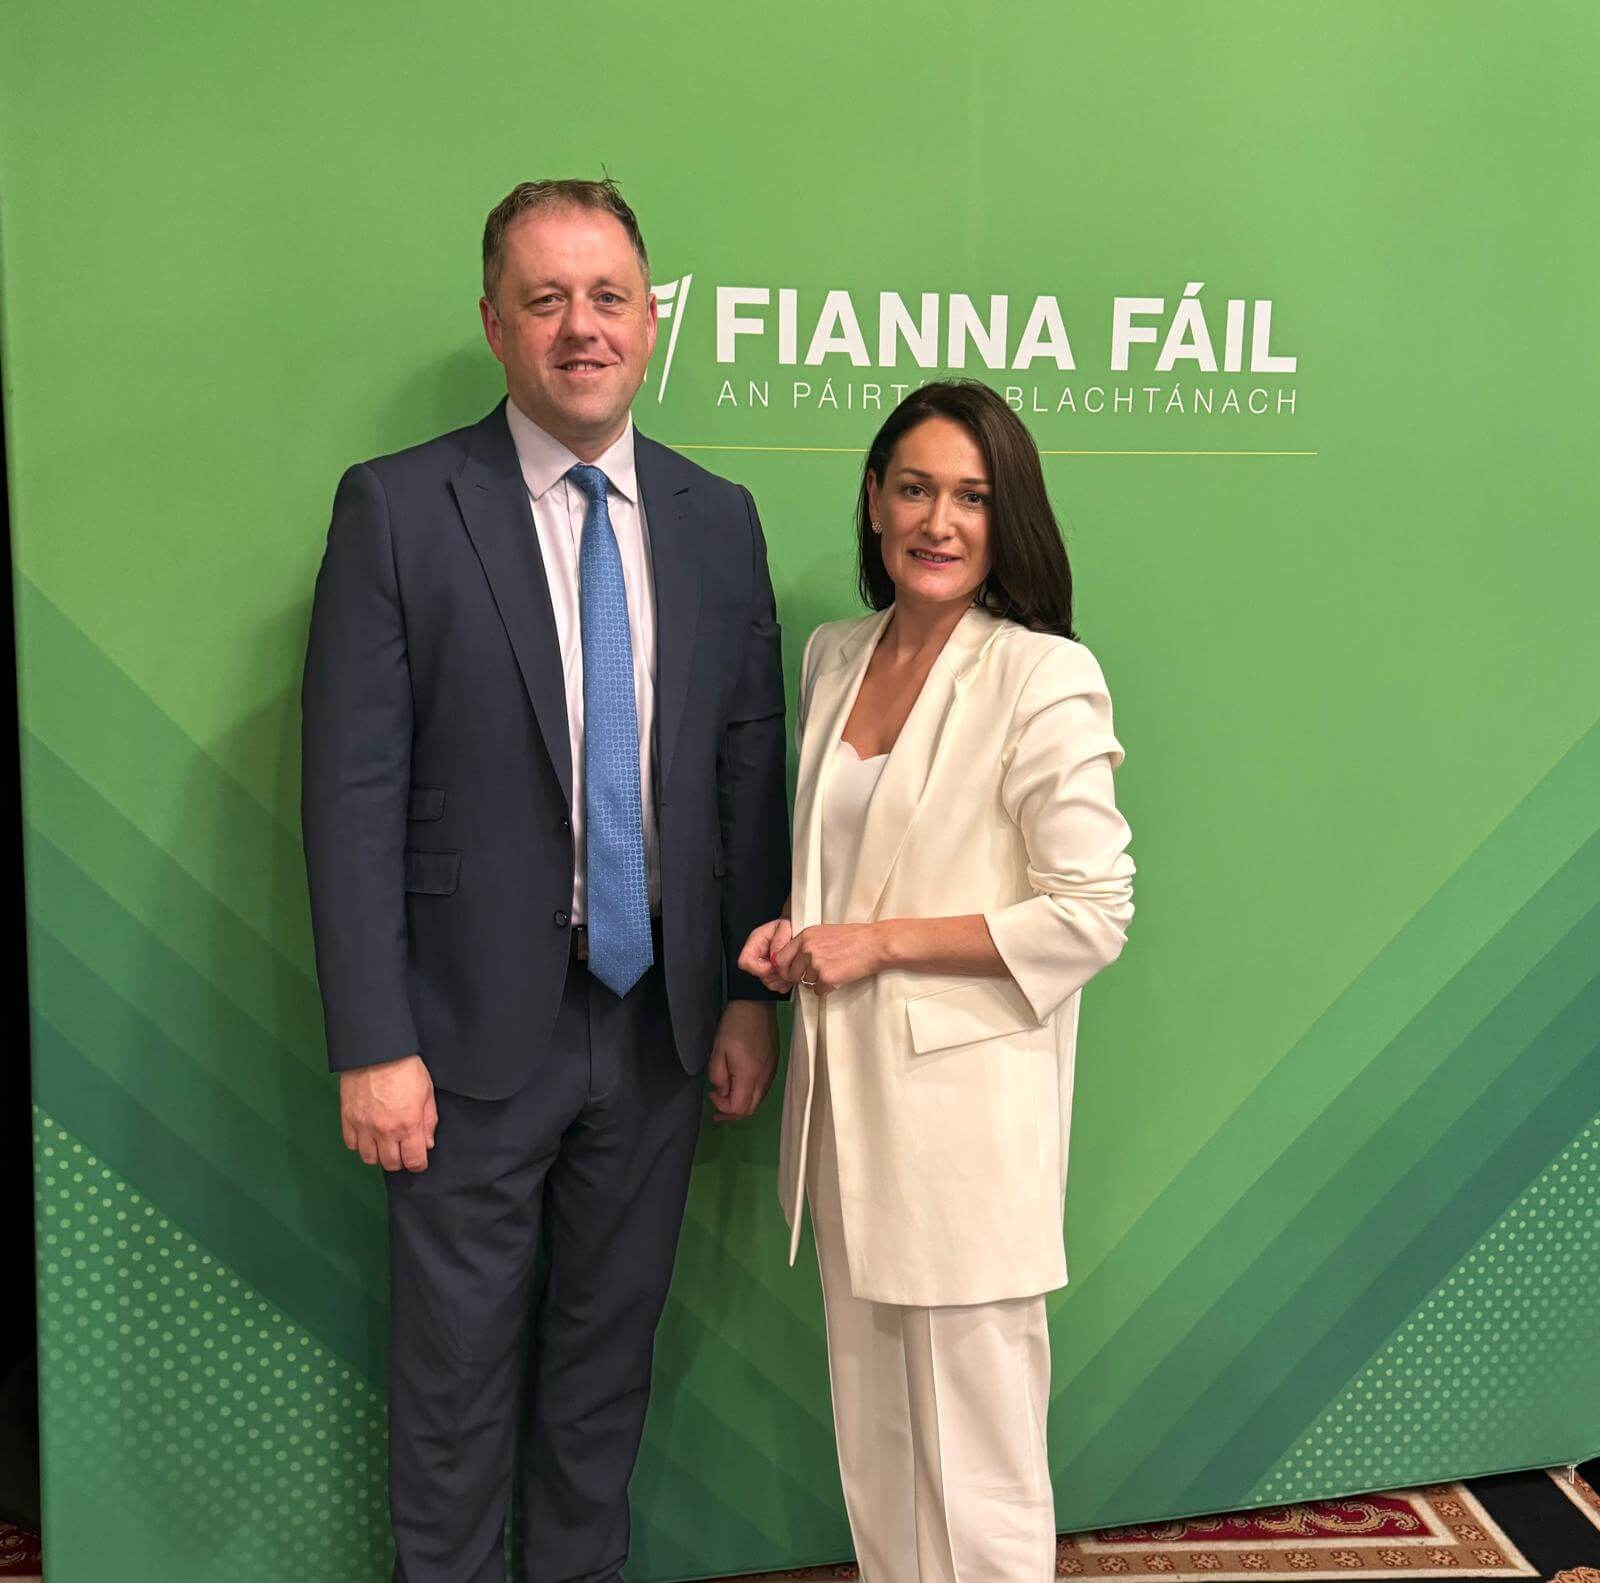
[[425, 802], [983, 1009], [432, 873]]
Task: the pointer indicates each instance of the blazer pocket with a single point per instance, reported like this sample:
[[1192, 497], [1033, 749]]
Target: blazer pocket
[[983, 1009], [432, 873], [425, 802]]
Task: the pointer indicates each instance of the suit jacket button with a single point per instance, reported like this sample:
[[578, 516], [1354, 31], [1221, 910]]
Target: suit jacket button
[[566, 824], [562, 920]]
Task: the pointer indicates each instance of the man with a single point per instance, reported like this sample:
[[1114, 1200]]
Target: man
[[543, 804]]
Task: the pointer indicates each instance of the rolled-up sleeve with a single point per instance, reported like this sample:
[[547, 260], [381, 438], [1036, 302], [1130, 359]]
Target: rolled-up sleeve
[[1056, 784]]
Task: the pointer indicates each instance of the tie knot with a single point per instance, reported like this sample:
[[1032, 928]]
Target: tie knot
[[590, 480]]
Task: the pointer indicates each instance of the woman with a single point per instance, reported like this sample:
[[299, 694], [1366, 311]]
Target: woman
[[959, 874]]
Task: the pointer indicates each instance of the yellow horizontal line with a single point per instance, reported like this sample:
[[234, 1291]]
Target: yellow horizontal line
[[1180, 453], [838, 450], [856, 450]]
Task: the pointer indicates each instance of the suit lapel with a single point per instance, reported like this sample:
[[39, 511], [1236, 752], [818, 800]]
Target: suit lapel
[[904, 779], [833, 694], [494, 505], [675, 549]]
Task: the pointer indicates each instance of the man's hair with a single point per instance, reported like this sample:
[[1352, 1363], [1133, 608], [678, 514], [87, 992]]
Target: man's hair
[[531, 197]]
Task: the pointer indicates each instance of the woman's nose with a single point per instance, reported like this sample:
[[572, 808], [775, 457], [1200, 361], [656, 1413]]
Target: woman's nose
[[938, 524]]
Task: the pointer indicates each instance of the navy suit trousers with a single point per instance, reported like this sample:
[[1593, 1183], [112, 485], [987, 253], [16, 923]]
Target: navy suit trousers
[[582, 1173]]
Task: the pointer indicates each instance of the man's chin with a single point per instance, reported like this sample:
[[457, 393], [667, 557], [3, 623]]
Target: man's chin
[[590, 414], [595, 409]]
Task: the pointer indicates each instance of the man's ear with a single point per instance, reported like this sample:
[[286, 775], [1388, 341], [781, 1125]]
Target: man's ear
[[491, 326]]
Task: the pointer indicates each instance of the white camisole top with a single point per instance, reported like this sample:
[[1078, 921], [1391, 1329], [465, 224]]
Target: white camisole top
[[851, 781]]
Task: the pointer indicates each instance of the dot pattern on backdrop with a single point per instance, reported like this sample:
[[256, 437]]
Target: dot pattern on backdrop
[[1477, 1351], [179, 1392], [182, 1398]]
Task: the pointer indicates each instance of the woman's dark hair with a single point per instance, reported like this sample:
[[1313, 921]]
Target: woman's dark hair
[[1030, 581]]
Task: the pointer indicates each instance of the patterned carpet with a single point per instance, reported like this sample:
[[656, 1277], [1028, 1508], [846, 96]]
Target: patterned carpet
[[1538, 1525], [1521, 1525], [19, 1553]]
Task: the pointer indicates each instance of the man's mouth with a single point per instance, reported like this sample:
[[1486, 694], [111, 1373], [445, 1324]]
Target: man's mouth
[[582, 365]]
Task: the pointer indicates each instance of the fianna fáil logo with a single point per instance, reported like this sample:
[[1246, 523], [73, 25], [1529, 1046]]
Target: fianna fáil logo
[[672, 299], [786, 349]]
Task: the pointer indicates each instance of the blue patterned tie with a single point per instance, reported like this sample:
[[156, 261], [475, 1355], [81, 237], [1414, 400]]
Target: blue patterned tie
[[619, 902]]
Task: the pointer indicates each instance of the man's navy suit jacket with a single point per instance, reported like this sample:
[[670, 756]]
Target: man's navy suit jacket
[[437, 775]]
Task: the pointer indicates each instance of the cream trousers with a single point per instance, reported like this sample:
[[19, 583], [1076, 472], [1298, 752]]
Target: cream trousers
[[939, 1415]]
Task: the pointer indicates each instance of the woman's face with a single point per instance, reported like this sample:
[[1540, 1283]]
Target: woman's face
[[934, 504]]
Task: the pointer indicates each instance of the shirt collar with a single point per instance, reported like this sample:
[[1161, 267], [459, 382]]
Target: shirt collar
[[545, 460]]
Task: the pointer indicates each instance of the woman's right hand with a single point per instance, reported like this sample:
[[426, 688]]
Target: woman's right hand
[[756, 959]]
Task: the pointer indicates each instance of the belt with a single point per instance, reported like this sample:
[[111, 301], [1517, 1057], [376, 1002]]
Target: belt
[[580, 939]]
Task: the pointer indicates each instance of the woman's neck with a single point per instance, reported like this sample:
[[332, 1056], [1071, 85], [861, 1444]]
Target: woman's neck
[[919, 629]]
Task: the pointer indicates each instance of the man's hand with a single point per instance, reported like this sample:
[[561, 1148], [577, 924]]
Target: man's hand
[[388, 1113], [744, 1057], [765, 941]]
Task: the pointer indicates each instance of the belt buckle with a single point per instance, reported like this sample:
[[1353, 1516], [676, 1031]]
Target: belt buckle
[[580, 938]]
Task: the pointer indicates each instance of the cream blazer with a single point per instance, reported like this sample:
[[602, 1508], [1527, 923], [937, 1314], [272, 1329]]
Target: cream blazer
[[952, 1095]]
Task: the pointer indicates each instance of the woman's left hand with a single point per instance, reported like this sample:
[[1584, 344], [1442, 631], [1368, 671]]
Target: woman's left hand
[[830, 955]]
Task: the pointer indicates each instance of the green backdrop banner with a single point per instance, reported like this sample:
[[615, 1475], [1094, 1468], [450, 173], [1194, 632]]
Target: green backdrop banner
[[1298, 303]]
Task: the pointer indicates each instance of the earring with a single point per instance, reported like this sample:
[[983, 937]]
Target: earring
[[876, 528]]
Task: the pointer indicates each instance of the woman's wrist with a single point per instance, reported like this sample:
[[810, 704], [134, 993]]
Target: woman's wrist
[[888, 942], [937, 945]]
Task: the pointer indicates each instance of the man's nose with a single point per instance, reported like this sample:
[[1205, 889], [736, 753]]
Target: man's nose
[[579, 322]]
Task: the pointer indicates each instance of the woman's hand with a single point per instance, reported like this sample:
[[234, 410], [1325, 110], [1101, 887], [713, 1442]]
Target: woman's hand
[[830, 955], [756, 959]]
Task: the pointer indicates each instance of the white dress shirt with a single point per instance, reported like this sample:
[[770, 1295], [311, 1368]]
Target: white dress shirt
[[558, 511]]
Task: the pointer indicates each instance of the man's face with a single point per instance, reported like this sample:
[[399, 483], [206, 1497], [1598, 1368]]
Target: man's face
[[574, 324]]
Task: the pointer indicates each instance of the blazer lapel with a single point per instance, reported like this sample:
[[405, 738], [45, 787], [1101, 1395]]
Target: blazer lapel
[[494, 505], [675, 548], [832, 697], [904, 778]]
